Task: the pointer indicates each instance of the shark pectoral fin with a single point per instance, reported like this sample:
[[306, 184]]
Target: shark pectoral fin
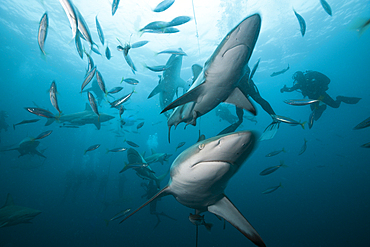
[[225, 209], [156, 90], [190, 96], [163, 192], [87, 107], [240, 100], [97, 124]]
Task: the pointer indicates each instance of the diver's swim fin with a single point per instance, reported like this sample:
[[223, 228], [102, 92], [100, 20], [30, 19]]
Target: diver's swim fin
[[348, 100]]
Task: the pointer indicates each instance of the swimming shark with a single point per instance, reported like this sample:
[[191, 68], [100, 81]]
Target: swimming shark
[[28, 146], [11, 214], [169, 82], [219, 79], [199, 176], [142, 168], [157, 157], [81, 118]]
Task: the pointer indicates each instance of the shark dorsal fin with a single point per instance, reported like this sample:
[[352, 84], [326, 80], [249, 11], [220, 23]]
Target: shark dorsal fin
[[153, 152], [238, 99], [87, 107], [9, 201], [226, 209]]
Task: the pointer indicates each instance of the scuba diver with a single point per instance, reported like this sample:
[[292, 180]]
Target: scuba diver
[[152, 189], [248, 88], [313, 84]]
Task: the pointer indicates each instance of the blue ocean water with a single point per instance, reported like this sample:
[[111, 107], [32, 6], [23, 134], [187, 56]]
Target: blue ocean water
[[324, 199]]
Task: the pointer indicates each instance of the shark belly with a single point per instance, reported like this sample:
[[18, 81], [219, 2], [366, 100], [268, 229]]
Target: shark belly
[[204, 187]]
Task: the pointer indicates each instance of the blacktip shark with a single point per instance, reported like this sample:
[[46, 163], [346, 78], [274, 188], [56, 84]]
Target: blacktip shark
[[199, 176], [11, 214], [81, 118], [219, 79], [169, 82]]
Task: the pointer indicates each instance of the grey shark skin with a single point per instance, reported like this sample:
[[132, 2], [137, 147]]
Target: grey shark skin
[[11, 214], [199, 176], [218, 81], [81, 118], [28, 146], [170, 81]]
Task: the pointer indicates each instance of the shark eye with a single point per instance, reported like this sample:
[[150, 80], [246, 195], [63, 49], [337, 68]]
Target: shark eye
[[201, 146]]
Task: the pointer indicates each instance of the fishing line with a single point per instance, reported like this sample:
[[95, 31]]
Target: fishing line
[[196, 26]]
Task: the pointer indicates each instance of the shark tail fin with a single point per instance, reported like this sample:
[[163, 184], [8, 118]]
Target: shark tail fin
[[156, 90], [302, 124], [161, 193], [226, 209], [125, 168]]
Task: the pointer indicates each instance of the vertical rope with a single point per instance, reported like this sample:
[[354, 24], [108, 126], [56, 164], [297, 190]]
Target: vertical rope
[[196, 26]]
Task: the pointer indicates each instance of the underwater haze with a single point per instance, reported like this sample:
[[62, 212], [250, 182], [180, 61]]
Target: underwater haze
[[319, 197]]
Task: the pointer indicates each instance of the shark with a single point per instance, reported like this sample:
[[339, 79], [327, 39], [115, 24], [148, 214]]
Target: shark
[[199, 176], [141, 166], [28, 146], [81, 118], [219, 79], [157, 157], [11, 214], [96, 90], [169, 82]]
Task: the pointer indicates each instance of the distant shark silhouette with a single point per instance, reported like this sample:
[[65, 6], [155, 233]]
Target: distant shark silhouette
[[99, 94], [81, 118], [11, 214], [169, 82], [199, 176], [27, 146]]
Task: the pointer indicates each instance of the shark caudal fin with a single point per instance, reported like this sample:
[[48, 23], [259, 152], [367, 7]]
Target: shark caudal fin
[[160, 194], [225, 209]]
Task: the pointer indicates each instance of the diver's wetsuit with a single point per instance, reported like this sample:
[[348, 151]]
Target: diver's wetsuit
[[313, 85]]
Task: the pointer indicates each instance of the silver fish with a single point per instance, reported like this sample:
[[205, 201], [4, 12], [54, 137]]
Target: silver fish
[[53, 96], [107, 53], [162, 6], [198, 220], [43, 134], [279, 72], [273, 153], [158, 68], [101, 83], [116, 150], [302, 23], [92, 102], [288, 120], [175, 52], [43, 31], [271, 169], [140, 125], [115, 6], [139, 44], [91, 148], [272, 189], [162, 30], [304, 147], [180, 145], [115, 90], [179, 21], [300, 102], [132, 144], [100, 30], [363, 124], [122, 100], [26, 122], [71, 14], [118, 215], [326, 7], [79, 45], [366, 145], [40, 112], [131, 81], [88, 78], [155, 25]]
